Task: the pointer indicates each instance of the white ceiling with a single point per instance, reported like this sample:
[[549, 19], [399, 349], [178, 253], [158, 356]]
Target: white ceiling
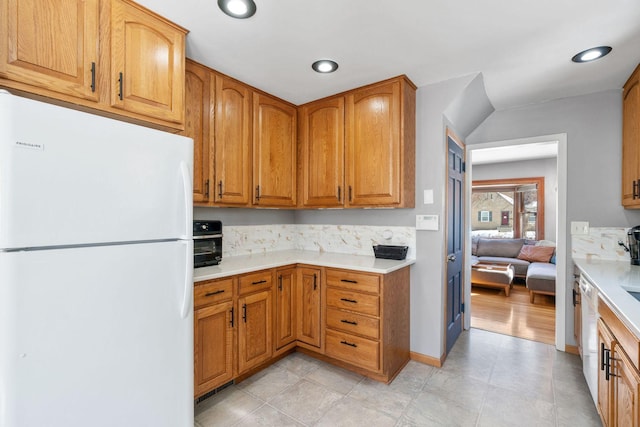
[[523, 48], [514, 153]]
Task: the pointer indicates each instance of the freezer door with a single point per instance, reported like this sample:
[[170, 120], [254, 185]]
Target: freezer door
[[99, 336], [68, 177]]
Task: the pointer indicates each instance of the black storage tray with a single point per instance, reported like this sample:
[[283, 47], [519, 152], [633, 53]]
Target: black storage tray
[[390, 252]]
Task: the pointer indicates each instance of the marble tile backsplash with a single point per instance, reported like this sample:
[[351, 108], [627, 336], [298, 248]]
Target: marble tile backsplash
[[601, 243], [347, 239]]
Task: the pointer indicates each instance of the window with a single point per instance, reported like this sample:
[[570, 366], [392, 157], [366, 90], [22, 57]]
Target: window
[[520, 202], [484, 216]]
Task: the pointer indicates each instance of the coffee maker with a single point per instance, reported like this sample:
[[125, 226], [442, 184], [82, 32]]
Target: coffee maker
[[633, 241]]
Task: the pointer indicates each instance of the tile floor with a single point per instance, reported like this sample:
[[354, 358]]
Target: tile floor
[[487, 380]]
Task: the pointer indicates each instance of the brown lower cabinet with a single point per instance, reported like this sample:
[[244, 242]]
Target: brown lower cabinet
[[619, 375], [356, 320]]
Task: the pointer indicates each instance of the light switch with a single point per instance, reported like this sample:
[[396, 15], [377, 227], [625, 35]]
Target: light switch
[[427, 222], [428, 197]]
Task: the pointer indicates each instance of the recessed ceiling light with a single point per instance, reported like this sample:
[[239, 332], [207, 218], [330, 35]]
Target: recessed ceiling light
[[591, 54], [324, 66], [240, 9]]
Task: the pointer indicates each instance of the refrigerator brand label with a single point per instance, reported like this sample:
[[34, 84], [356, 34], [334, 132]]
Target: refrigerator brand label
[[30, 145]]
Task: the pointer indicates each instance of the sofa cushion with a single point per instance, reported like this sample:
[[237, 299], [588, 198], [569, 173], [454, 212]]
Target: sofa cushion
[[519, 265], [541, 276], [507, 248], [536, 253]]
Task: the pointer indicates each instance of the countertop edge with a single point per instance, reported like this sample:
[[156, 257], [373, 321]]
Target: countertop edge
[[613, 294], [232, 266]]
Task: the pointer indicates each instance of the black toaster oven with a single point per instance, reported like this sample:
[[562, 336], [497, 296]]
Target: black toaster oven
[[207, 243]]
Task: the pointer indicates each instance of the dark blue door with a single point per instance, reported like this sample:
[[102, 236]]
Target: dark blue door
[[455, 241]]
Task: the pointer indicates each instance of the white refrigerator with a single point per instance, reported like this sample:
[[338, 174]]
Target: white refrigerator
[[96, 267]]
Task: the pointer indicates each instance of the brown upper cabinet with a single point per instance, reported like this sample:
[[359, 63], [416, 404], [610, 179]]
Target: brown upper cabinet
[[358, 149], [274, 152], [41, 48], [75, 51], [147, 63], [631, 141], [380, 144], [219, 119], [322, 153], [232, 141], [197, 125]]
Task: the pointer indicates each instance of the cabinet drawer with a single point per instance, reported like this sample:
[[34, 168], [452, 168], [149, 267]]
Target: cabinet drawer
[[353, 323], [353, 301], [210, 292], [255, 282], [355, 350], [354, 281]]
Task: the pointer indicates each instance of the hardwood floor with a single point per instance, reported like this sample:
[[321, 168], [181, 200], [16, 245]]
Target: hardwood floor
[[514, 315]]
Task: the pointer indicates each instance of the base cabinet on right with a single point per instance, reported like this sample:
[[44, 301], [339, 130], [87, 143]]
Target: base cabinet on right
[[367, 321], [619, 375]]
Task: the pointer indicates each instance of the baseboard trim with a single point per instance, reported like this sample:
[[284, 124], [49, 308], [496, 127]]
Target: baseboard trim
[[427, 360], [572, 349]]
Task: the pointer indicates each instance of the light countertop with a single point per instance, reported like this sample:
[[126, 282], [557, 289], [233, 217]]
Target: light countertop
[[231, 266], [613, 279]]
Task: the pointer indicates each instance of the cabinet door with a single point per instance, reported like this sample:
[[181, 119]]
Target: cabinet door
[[254, 330], [213, 347], [373, 145], [197, 126], [322, 153], [147, 63], [631, 142], [285, 307], [232, 142], [626, 391], [606, 342], [274, 152], [308, 306], [52, 44]]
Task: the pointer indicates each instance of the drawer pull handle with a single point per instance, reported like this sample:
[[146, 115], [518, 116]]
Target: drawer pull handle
[[349, 281], [349, 300], [349, 322], [259, 282], [210, 294], [350, 344]]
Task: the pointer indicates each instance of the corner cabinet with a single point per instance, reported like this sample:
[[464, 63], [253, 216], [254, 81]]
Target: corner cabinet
[[112, 56], [321, 159], [380, 138], [308, 302], [631, 141], [274, 152], [358, 149], [285, 307]]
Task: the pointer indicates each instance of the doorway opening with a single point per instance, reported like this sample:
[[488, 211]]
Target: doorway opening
[[497, 161]]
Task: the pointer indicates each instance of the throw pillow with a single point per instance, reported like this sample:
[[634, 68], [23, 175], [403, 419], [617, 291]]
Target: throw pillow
[[536, 253]]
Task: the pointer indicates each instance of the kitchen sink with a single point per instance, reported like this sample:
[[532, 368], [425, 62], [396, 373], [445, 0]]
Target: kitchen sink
[[636, 295]]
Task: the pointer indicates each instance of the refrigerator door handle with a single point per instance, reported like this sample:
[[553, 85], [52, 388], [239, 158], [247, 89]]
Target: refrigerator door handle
[[188, 200], [188, 279]]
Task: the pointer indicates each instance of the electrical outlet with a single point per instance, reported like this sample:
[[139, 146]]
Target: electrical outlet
[[579, 227]]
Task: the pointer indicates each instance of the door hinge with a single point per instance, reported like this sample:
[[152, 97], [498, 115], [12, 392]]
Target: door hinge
[[464, 166], [462, 307]]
